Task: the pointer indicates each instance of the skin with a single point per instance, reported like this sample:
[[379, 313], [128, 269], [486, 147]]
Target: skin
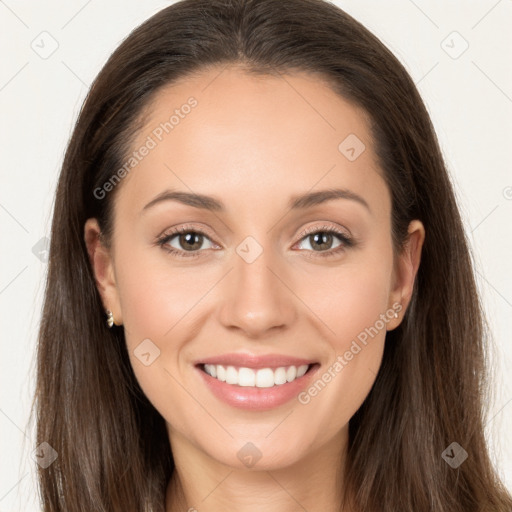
[[252, 143]]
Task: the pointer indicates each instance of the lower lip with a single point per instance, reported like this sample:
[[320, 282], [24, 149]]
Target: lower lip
[[257, 399]]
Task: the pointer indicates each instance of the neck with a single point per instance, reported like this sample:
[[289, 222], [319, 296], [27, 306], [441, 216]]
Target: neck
[[315, 483]]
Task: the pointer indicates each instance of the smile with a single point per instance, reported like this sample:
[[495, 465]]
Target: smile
[[256, 382], [259, 378]]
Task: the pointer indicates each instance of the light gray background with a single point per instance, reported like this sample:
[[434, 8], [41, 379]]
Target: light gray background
[[469, 97]]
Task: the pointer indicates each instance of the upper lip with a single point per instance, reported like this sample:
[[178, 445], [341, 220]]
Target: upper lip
[[254, 361]]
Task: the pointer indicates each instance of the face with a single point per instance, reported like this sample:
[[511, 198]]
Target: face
[[227, 300]]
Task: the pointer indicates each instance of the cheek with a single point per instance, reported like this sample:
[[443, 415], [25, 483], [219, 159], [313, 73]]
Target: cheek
[[156, 295], [157, 302], [348, 299], [161, 302], [353, 303]]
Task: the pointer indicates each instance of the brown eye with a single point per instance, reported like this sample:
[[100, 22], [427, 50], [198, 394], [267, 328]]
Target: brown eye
[[321, 241], [190, 241], [181, 241]]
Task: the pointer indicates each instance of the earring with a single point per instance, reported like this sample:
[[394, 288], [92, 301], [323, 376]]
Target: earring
[[396, 314], [110, 318]]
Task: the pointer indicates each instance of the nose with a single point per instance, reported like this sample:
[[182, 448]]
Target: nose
[[255, 297]]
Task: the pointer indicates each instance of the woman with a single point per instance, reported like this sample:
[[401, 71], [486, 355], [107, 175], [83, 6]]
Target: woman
[[260, 295]]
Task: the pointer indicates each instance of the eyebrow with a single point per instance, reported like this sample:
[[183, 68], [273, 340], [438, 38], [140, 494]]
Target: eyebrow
[[299, 202]]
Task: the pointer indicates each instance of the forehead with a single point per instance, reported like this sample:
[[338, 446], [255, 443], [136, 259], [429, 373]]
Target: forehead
[[249, 135]]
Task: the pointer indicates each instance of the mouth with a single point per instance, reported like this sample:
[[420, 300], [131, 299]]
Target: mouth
[[255, 377], [256, 383]]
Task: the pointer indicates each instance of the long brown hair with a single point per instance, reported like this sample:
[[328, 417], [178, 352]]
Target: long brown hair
[[112, 445]]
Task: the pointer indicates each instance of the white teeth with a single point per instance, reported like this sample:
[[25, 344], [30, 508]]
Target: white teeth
[[261, 378], [211, 369], [246, 377], [231, 375], [221, 373], [291, 373], [301, 370], [264, 378], [280, 376]]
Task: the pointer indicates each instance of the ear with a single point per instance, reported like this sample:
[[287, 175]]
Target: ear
[[406, 268], [103, 268]]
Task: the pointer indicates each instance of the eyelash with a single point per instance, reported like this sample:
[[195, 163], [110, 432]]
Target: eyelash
[[347, 242]]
